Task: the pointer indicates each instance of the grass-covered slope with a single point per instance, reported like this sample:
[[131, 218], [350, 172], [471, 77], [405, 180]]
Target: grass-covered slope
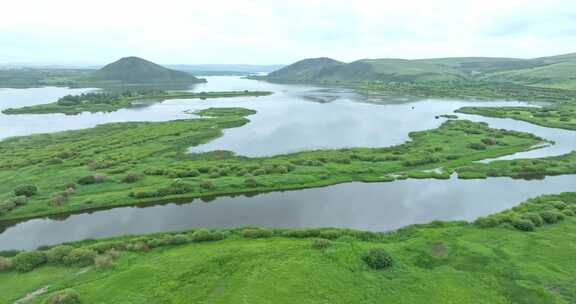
[[451, 262], [332, 71], [144, 162], [554, 72], [138, 70]]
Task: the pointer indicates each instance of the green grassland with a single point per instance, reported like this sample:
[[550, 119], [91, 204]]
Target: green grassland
[[145, 162], [561, 116], [95, 102], [440, 262]]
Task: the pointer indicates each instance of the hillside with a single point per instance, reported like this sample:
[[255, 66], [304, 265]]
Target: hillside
[[138, 70], [330, 70], [554, 71]]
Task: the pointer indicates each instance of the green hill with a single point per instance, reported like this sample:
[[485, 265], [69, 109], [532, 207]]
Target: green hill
[[138, 70], [330, 70], [554, 71]]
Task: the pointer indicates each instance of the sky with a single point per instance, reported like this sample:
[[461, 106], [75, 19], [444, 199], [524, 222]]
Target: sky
[[281, 31]]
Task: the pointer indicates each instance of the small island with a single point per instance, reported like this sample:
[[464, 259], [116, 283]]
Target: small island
[[109, 102]]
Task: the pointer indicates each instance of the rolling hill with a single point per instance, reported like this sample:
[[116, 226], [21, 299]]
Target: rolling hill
[[138, 70], [555, 71]]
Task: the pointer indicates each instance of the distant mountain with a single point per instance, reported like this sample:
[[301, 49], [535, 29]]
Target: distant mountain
[[330, 70], [555, 71], [137, 70]]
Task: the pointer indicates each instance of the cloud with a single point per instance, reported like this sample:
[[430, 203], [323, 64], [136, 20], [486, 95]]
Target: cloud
[[274, 31]]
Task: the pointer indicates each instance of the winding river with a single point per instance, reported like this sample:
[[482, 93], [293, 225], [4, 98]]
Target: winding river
[[294, 118]]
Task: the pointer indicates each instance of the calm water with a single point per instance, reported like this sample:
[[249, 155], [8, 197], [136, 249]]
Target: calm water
[[294, 118], [373, 206]]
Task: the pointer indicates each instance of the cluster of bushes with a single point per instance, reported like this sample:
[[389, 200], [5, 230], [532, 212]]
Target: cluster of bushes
[[222, 170], [132, 177], [66, 296], [535, 212], [26, 190], [477, 146], [60, 198], [12, 203], [430, 159], [20, 196], [176, 187], [92, 179]]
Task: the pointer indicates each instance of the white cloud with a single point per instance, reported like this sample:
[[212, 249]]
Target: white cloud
[[259, 31]]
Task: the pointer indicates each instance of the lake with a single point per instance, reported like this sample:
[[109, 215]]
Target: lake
[[294, 118]]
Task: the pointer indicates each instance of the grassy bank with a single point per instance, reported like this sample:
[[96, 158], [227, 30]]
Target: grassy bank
[[143, 162], [109, 102], [441, 262], [561, 116]]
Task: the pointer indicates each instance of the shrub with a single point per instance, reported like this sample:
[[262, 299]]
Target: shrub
[[28, 260], [66, 296], [534, 218], [140, 246], [26, 190], [522, 224], [330, 234], [58, 199], [5, 264], [206, 185], [568, 212], [87, 180], [477, 146], [80, 257], [551, 217], [303, 233], [256, 233], [103, 261], [18, 200], [489, 141], [177, 239], [377, 258], [250, 182], [56, 255], [558, 204], [320, 244], [204, 235], [131, 177], [70, 185]]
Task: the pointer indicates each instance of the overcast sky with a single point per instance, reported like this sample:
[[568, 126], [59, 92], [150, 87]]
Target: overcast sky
[[283, 31]]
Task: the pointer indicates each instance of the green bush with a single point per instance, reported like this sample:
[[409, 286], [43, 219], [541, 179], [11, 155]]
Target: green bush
[[250, 182], [330, 234], [204, 235], [104, 261], [18, 200], [66, 296], [80, 257], [568, 212], [477, 146], [206, 185], [132, 177], [320, 244], [25, 190], [535, 218], [56, 255], [522, 224], [377, 258], [91, 179], [28, 260], [5, 264], [551, 216], [256, 233], [303, 233]]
